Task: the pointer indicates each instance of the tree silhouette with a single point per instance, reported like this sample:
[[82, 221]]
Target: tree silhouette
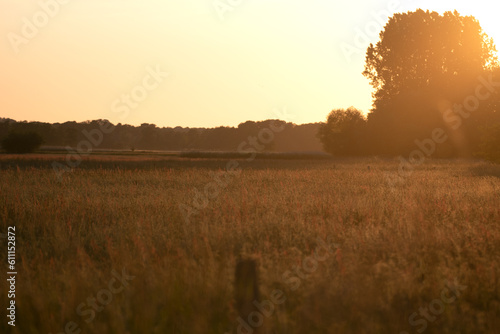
[[343, 132], [426, 50], [423, 63]]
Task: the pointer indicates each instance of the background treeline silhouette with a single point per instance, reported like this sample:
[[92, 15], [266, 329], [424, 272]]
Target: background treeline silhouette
[[150, 137]]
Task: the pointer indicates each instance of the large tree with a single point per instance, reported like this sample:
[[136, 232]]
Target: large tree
[[423, 63]]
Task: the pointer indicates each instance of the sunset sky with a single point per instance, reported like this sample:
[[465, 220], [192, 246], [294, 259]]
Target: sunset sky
[[223, 67]]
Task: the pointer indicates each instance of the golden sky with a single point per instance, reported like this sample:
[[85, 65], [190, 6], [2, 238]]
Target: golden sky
[[64, 60]]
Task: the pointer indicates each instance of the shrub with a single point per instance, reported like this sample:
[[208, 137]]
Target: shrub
[[343, 132], [16, 142]]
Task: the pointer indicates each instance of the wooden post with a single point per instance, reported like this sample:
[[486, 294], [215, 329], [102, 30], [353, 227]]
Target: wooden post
[[246, 292]]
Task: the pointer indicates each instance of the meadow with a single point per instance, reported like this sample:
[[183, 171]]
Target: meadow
[[418, 256]]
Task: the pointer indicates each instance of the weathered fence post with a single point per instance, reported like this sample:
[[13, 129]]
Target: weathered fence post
[[246, 294]]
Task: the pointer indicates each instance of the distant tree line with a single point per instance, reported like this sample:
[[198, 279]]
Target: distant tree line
[[151, 137]]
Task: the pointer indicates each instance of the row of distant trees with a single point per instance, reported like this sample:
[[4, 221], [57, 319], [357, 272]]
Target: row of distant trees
[[150, 137], [430, 72]]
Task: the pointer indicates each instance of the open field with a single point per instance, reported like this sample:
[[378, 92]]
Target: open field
[[420, 254]]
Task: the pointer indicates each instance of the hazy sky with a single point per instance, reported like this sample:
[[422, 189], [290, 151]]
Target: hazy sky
[[93, 59]]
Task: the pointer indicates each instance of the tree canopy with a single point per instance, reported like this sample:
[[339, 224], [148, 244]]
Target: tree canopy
[[343, 132], [424, 64], [423, 49]]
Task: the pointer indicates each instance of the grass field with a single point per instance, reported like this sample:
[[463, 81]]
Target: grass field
[[418, 256]]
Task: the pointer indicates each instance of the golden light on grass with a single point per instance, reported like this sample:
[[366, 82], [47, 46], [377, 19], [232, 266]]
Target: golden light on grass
[[398, 246]]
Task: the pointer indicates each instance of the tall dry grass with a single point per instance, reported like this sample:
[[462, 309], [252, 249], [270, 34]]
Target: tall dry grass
[[397, 246]]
